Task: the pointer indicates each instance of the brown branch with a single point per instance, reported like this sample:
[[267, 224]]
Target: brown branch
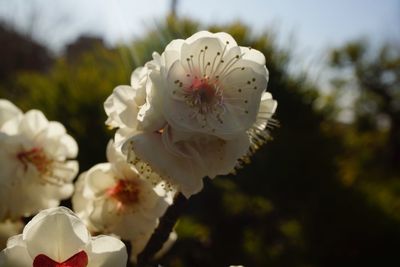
[[162, 232]]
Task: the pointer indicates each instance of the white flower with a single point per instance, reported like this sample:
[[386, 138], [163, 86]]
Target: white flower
[[115, 198], [212, 85], [184, 160], [35, 172], [204, 108], [8, 229], [57, 237]]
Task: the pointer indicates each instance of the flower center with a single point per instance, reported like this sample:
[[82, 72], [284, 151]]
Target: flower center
[[80, 259], [204, 94], [126, 192], [37, 157]]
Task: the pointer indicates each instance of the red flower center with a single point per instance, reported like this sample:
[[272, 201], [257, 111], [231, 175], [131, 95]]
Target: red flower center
[[126, 192], [80, 259], [37, 157]]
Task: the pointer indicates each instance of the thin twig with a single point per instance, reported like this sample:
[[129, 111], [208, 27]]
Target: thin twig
[[162, 232]]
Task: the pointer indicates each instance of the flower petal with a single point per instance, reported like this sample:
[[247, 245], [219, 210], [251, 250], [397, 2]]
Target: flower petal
[[107, 251], [57, 233], [16, 254], [7, 111]]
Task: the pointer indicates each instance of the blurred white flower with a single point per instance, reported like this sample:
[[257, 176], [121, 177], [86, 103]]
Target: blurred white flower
[[57, 237], [8, 111], [203, 108], [116, 198], [35, 172], [8, 229]]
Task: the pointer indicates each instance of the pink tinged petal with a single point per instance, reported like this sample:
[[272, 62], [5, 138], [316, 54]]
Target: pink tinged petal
[[176, 110], [16, 254], [7, 111], [121, 107], [107, 251], [33, 123], [57, 233]]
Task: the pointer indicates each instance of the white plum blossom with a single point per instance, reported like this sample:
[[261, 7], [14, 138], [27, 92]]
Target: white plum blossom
[[116, 198], [212, 86], [57, 237], [203, 108], [35, 170], [8, 229]]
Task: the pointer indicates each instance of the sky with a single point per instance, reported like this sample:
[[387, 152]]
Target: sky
[[314, 24]]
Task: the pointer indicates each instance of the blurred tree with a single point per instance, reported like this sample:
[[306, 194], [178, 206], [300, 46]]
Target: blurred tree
[[20, 52], [376, 77]]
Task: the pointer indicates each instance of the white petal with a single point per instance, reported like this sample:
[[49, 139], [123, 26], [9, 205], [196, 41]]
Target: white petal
[[107, 252], [253, 55], [150, 115], [172, 52], [79, 202], [98, 180], [121, 107], [114, 153], [33, 122], [225, 37], [178, 170], [7, 111], [11, 126], [199, 57], [16, 254], [57, 233], [267, 109]]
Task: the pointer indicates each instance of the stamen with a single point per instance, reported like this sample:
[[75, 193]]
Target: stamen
[[125, 192]]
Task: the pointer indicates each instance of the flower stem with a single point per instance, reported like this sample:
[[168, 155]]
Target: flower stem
[[162, 232]]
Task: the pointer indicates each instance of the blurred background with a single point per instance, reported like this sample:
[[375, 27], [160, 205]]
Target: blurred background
[[324, 192]]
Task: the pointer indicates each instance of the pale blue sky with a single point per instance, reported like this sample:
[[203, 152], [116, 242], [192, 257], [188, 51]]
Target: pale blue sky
[[315, 24]]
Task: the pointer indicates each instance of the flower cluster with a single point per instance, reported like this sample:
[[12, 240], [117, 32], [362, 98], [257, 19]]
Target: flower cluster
[[197, 110], [57, 237], [35, 167]]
